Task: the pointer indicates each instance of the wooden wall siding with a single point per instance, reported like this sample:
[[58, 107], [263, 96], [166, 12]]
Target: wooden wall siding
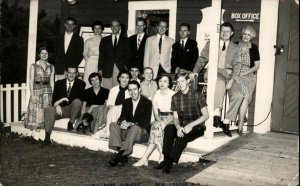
[[188, 11], [294, 32], [85, 12], [291, 100]]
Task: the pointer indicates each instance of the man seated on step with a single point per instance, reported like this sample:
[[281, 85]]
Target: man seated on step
[[189, 114], [66, 101], [132, 126]]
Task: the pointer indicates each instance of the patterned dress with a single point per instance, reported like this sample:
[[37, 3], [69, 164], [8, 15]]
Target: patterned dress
[[163, 103], [246, 82], [91, 54], [42, 91]]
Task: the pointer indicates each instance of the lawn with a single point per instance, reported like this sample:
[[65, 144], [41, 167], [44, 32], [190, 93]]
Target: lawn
[[25, 161]]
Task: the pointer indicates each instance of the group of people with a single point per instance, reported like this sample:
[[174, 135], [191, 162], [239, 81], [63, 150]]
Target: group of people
[[126, 94]]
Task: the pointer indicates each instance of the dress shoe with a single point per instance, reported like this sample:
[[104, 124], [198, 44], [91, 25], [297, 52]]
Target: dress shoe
[[47, 140], [70, 126], [141, 162], [114, 161], [123, 160], [160, 166], [168, 166], [226, 130], [217, 122]]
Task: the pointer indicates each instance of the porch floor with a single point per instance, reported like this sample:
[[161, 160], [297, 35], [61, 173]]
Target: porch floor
[[254, 159], [192, 153]]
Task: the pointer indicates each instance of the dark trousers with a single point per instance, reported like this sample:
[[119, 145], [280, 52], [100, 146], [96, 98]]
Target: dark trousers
[[71, 111], [173, 145], [160, 71]]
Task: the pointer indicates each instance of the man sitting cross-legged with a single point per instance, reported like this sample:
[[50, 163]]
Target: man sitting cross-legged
[[66, 100], [189, 114], [132, 126]]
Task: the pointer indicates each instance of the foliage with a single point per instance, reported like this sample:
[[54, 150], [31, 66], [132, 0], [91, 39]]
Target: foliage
[[14, 39]]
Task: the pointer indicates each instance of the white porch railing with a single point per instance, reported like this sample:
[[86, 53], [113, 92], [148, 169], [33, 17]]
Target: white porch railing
[[12, 102]]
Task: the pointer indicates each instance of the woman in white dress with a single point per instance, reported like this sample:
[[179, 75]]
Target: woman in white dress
[[161, 103], [91, 52], [114, 102]]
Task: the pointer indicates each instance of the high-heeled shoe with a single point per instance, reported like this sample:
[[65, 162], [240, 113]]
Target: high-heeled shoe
[[141, 162]]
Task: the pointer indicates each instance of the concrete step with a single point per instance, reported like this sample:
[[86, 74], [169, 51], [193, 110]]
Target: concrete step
[[192, 153]]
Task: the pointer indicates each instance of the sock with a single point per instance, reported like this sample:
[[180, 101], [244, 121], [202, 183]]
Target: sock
[[217, 112]]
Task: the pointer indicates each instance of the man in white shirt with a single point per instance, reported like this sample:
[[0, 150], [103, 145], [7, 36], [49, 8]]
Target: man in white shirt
[[68, 50], [228, 54], [137, 44], [114, 53], [158, 50], [133, 125]]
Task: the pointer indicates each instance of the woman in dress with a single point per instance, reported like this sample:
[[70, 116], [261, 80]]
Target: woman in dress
[[94, 100], [244, 75], [161, 103], [148, 85], [41, 84], [91, 52], [116, 96]]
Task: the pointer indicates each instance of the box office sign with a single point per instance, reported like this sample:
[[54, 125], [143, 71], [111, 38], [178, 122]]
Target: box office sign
[[245, 16]]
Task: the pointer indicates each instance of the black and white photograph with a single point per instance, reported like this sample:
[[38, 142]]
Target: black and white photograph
[[149, 92]]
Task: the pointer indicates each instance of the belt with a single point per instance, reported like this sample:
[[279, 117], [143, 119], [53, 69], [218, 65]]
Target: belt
[[42, 83], [165, 113]]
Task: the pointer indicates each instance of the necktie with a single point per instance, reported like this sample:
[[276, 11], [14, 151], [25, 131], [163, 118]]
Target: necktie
[[223, 47], [182, 44], [138, 41], [69, 90], [115, 42], [159, 44]]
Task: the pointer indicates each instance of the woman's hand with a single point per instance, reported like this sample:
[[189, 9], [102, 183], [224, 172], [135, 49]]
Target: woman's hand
[[180, 132], [229, 84]]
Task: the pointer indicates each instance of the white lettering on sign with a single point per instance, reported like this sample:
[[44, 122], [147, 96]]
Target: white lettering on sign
[[246, 17]]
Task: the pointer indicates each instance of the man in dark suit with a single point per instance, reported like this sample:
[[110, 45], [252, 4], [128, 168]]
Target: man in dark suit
[[137, 44], [66, 101], [185, 51], [68, 50], [133, 125], [114, 56]]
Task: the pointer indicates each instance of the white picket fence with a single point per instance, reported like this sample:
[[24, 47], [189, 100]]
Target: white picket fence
[[12, 102]]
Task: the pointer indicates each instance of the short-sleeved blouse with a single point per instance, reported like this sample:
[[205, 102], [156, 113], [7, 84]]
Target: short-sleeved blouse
[[92, 99], [163, 101]]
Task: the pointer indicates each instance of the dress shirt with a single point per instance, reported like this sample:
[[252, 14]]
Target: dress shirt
[[184, 41], [113, 38], [134, 105], [68, 38], [68, 84], [141, 35], [222, 43]]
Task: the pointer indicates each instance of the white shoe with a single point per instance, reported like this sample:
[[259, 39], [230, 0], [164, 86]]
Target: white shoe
[[140, 163]]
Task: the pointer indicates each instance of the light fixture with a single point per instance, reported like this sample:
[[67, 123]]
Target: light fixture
[[71, 2]]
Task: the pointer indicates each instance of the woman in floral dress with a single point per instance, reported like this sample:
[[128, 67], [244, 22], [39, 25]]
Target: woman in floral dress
[[244, 73], [41, 87]]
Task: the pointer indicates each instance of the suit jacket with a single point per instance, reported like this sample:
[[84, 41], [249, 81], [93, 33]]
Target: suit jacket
[[60, 91], [137, 54], [153, 59], [142, 115], [232, 55], [108, 57], [184, 58], [72, 57]]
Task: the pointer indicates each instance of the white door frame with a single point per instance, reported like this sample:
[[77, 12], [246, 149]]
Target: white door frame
[[133, 6]]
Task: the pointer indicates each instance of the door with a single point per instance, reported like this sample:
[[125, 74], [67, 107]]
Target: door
[[285, 109]]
